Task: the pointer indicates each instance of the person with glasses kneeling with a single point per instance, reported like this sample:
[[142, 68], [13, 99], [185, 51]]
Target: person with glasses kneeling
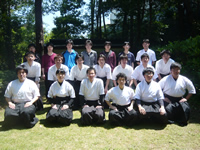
[[61, 96], [121, 109], [149, 98]]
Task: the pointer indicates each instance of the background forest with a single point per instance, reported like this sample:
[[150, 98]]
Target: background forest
[[171, 24]]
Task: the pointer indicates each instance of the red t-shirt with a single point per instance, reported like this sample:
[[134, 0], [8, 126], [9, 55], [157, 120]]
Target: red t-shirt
[[47, 61]]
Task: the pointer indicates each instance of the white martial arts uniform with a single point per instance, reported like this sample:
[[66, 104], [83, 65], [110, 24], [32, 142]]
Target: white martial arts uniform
[[162, 67], [151, 53], [78, 74]]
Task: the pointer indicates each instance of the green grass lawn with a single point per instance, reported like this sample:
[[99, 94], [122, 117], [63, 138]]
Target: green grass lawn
[[75, 136]]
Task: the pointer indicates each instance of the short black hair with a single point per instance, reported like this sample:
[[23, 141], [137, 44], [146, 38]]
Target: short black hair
[[107, 42], [29, 52], [50, 44], [58, 56], [31, 45], [123, 56], [21, 67], [91, 68], [145, 41], [60, 71], [103, 56], [165, 51], [175, 65], [144, 55], [147, 69], [69, 41], [126, 42], [121, 75], [79, 56], [89, 42]]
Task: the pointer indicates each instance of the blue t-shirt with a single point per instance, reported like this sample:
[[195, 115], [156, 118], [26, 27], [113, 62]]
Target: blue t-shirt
[[131, 58], [69, 58]]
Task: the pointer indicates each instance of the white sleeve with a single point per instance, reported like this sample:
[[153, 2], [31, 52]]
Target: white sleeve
[[160, 94], [101, 89], [50, 75], [8, 92], [190, 86], [154, 56], [108, 72], [138, 56], [108, 97], [71, 91], [50, 92], [137, 92], [81, 92], [72, 74]]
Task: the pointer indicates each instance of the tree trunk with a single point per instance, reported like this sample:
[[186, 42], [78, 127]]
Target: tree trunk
[[39, 26], [104, 25], [92, 18]]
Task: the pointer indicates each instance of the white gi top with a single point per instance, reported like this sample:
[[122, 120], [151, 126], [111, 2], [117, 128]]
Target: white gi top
[[34, 71], [63, 90], [103, 72], [120, 97], [78, 74], [91, 91], [128, 71], [162, 67], [148, 92], [176, 88], [137, 74], [20, 92], [151, 53], [52, 72]]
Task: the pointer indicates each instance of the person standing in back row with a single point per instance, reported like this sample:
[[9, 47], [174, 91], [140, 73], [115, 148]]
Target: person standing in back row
[[151, 53]]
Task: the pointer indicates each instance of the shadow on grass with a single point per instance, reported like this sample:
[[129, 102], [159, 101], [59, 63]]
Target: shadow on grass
[[51, 124], [41, 112]]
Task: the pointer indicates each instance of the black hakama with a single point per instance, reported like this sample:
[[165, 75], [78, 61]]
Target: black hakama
[[21, 114], [122, 116], [177, 111], [92, 114]]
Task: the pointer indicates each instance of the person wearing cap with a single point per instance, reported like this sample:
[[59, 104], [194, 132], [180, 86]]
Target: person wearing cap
[[123, 68], [92, 99], [47, 62], [131, 56], [21, 94], [149, 98], [89, 54], [174, 87], [137, 75], [163, 65], [32, 48], [61, 96], [34, 73], [110, 55], [121, 108], [77, 74], [151, 53], [69, 55], [52, 70]]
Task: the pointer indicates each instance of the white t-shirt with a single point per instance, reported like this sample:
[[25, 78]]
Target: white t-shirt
[[148, 92], [137, 74], [78, 74], [91, 91], [120, 97], [128, 71], [52, 72], [103, 72], [20, 92], [176, 88], [34, 71], [162, 67], [63, 90], [151, 53]]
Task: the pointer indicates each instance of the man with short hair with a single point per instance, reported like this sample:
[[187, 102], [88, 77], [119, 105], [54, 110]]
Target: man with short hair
[[121, 109], [149, 98], [174, 87], [151, 53], [92, 98], [20, 95]]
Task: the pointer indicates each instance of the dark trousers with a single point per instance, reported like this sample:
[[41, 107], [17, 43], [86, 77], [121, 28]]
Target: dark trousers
[[92, 114], [122, 116], [76, 86], [177, 111], [152, 113], [62, 116], [25, 115]]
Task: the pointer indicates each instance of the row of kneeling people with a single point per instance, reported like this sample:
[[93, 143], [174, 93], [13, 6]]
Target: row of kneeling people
[[161, 102]]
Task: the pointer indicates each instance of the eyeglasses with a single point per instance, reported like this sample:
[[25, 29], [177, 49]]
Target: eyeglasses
[[149, 73]]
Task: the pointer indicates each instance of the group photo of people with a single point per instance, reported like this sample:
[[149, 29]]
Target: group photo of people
[[134, 89]]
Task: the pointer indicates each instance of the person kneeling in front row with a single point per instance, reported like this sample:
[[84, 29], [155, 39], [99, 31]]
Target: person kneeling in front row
[[91, 98], [20, 95], [122, 111], [149, 98], [61, 96]]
